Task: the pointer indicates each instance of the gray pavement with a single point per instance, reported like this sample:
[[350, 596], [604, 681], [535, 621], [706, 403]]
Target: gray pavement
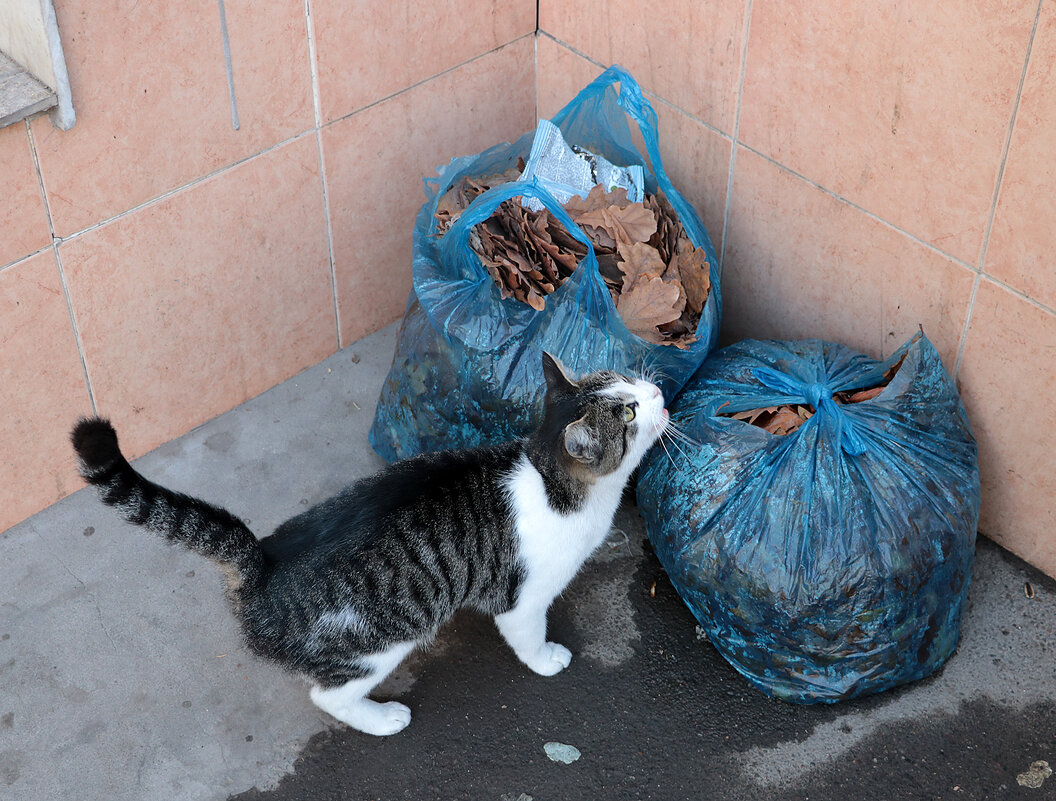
[[122, 675]]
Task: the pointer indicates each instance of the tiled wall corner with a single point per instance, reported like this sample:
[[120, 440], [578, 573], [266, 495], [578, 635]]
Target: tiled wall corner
[[42, 388], [205, 298], [559, 74], [368, 51], [376, 159], [199, 254], [888, 166], [902, 109], [696, 158], [801, 263], [687, 53]]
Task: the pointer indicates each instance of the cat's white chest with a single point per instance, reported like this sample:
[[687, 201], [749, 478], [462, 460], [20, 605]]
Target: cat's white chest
[[552, 546]]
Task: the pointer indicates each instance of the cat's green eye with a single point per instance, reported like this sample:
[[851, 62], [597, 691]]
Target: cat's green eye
[[628, 412]]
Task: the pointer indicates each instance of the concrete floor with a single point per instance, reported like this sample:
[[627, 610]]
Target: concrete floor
[[122, 675]]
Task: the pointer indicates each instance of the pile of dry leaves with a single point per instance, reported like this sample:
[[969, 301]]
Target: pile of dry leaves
[[658, 280], [785, 419]]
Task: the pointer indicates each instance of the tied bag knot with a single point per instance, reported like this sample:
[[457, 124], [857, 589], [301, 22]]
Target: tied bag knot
[[819, 395]]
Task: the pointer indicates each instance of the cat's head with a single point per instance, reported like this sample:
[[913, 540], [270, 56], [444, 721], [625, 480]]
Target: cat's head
[[602, 423]]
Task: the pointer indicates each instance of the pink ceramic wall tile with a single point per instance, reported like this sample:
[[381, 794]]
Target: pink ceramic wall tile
[[902, 108], [376, 159], [1023, 238], [151, 94], [23, 219], [688, 53], [802, 264], [367, 51], [560, 74], [42, 389], [191, 305], [698, 162], [1009, 388]]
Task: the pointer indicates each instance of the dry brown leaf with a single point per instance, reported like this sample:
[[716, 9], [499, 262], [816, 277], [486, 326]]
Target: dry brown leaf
[[600, 227], [694, 273], [657, 290], [894, 368], [636, 221], [612, 225], [750, 415], [535, 300], [597, 198], [862, 395], [648, 304], [637, 261], [780, 420], [784, 421]]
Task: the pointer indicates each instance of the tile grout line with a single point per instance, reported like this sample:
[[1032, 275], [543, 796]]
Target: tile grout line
[[227, 64], [871, 215], [651, 95], [1037, 304], [689, 115], [736, 135], [426, 80], [271, 148], [964, 330], [1008, 141], [314, 66], [189, 185], [535, 49], [55, 242], [27, 257], [997, 192]]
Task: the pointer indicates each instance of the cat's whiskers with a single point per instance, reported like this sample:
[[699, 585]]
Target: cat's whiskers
[[682, 436], [676, 434], [663, 445], [652, 373], [677, 447]]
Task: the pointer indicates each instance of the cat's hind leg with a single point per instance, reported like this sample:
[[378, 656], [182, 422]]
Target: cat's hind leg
[[348, 702]]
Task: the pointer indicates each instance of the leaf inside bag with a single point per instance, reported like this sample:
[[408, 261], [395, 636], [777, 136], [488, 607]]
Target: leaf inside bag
[[659, 281], [782, 420]]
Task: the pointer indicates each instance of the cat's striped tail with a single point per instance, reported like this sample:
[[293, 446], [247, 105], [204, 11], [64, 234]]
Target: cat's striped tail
[[202, 527]]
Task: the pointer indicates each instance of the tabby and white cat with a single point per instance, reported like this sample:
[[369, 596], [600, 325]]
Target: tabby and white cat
[[344, 591]]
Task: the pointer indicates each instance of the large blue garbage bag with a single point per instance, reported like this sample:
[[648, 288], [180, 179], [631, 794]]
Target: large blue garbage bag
[[833, 561], [467, 368]]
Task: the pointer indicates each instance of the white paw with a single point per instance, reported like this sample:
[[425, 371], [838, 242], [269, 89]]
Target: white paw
[[551, 658], [387, 718], [363, 714]]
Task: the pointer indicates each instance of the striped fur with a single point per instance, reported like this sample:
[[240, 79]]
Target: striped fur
[[342, 591]]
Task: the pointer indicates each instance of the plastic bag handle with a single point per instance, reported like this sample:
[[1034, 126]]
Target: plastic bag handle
[[639, 109], [485, 204], [818, 395], [630, 100]]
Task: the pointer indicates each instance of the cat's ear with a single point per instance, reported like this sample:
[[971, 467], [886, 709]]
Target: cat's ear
[[581, 444], [555, 374]]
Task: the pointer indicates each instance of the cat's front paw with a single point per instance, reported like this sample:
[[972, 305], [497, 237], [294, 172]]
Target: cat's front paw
[[551, 658], [379, 719]]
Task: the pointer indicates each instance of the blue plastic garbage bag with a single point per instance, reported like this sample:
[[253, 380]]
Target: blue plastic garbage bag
[[833, 561], [467, 369]]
